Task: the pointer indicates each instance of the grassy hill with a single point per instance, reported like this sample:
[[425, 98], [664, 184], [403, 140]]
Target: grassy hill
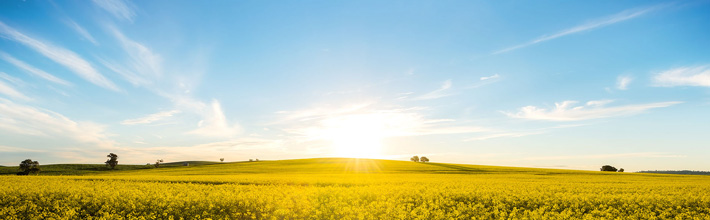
[[296, 166], [93, 169]]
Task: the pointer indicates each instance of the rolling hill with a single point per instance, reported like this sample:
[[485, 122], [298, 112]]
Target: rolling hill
[[300, 166]]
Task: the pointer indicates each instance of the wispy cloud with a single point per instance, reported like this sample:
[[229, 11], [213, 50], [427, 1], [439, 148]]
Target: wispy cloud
[[27, 120], [608, 156], [10, 91], [214, 123], [616, 18], [17, 149], [81, 31], [439, 93], [143, 67], [684, 76], [622, 82], [516, 134], [151, 118], [32, 70], [142, 60], [11, 79], [567, 111], [59, 55], [120, 9], [505, 135], [494, 76]]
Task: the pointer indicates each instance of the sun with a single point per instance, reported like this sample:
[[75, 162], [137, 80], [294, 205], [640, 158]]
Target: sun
[[357, 136]]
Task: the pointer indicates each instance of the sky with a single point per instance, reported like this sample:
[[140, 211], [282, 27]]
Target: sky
[[555, 84]]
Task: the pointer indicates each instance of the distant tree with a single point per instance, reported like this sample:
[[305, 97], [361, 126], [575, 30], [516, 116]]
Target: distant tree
[[28, 166], [414, 159], [424, 159], [221, 159], [621, 170], [112, 161], [257, 159], [157, 163], [251, 160], [608, 168]]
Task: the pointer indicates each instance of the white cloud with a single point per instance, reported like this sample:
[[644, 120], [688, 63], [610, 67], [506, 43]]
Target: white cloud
[[567, 111], [684, 76], [151, 118], [11, 92], [619, 17], [65, 57], [494, 76], [439, 93], [120, 9], [27, 120], [214, 123], [622, 82], [32, 70], [81, 31]]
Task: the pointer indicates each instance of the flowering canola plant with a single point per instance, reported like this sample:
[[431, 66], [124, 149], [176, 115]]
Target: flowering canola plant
[[349, 189]]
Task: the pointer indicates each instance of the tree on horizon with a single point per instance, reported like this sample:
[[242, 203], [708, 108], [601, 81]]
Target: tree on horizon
[[29, 166], [112, 161], [424, 159]]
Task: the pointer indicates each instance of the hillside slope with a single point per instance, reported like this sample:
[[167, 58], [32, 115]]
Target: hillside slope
[[294, 166]]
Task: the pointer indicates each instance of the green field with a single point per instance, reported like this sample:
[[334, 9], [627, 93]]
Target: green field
[[336, 188]]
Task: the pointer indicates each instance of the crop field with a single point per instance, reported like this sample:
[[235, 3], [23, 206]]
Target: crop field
[[334, 188]]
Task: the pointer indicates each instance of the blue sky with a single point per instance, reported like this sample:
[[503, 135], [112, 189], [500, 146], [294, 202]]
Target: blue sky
[[559, 84]]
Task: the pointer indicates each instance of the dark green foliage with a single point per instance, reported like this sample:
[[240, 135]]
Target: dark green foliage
[[608, 168], [414, 159], [424, 159], [28, 166], [112, 161], [621, 170]]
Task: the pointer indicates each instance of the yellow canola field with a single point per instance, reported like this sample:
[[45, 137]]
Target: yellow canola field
[[337, 189]]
